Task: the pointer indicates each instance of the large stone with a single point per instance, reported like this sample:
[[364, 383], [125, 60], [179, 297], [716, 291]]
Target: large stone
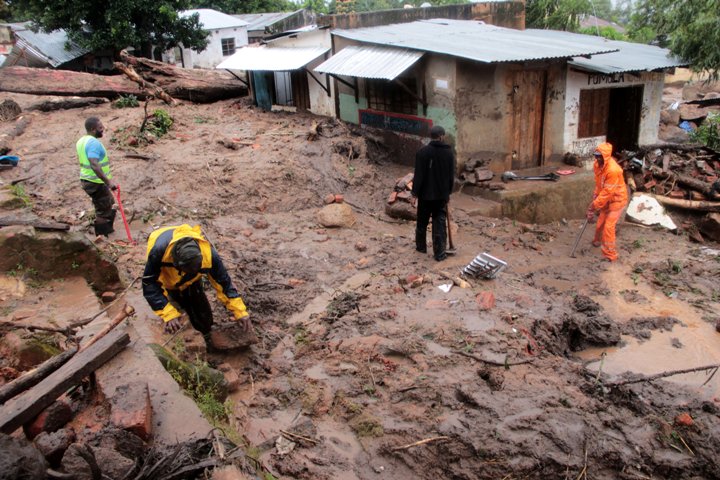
[[53, 445], [26, 353], [18, 459], [402, 210], [51, 419], [111, 463], [338, 215], [710, 226], [130, 409], [57, 255], [231, 336]]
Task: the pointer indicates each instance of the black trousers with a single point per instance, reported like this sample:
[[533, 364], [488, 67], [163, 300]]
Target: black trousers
[[195, 303], [437, 209], [103, 202]]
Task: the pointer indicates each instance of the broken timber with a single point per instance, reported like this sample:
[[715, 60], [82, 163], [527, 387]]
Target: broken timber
[[195, 85], [39, 224], [35, 376], [28, 405], [39, 81]]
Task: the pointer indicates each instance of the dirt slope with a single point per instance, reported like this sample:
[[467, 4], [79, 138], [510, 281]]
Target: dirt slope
[[354, 356]]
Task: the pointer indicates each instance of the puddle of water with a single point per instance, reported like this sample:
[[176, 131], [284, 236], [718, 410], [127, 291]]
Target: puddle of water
[[262, 429], [701, 344]]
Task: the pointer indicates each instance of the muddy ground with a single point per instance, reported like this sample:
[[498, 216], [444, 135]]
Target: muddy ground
[[359, 357]]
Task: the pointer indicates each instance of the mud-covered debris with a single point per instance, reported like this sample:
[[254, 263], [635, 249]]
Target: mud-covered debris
[[584, 304], [18, 459], [641, 327], [342, 304], [283, 446], [493, 377], [231, 336]]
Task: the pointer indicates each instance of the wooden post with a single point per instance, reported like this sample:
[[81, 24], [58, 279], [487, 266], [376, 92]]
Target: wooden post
[[33, 377]]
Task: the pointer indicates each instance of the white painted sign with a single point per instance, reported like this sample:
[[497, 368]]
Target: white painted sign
[[584, 147], [441, 83]]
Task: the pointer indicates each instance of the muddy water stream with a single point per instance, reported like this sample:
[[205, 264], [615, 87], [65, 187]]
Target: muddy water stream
[[700, 345]]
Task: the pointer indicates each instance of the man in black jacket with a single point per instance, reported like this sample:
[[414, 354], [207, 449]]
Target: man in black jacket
[[432, 185]]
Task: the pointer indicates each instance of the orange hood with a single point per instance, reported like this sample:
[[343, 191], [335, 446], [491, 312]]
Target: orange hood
[[606, 150]]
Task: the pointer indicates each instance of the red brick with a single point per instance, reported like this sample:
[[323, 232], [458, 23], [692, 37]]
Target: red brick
[[131, 409], [684, 419], [485, 300], [108, 297], [414, 280], [51, 419], [339, 198], [436, 304], [650, 184], [697, 195], [676, 194], [328, 199], [392, 197]]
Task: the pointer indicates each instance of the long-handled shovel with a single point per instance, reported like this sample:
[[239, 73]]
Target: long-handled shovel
[[451, 250], [577, 240], [122, 214]]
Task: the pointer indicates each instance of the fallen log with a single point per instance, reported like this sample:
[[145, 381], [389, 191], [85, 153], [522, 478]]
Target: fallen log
[[40, 81], [34, 376], [66, 104], [154, 90], [195, 85], [685, 180], [39, 224], [697, 205], [26, 406]]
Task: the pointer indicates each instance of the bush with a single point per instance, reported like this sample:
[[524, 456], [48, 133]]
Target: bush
[[126, 101], [708, 133], [159, 123]]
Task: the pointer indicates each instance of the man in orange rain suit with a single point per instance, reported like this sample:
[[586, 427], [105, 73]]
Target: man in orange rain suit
[[609, 198]]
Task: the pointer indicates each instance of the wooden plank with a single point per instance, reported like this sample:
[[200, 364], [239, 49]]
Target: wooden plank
[[28, 405], [35, 376], [39, 224]]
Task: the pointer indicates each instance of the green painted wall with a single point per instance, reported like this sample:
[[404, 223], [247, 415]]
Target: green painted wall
[[349, 109], [442, 117]]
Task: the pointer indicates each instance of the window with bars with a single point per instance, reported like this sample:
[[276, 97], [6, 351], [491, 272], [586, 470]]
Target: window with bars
[[228, 46], [594, 108], [390, 97]]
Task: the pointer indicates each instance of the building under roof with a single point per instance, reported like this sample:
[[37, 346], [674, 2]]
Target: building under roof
[[214, 20], [42, 49], [261, 25]]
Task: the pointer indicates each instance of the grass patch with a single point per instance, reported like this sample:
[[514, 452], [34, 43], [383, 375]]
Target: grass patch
[[19, 191], [365, 425], [126, 101]]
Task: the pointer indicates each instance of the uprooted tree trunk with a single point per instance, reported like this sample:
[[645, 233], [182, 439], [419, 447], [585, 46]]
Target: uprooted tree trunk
[[196, 85]]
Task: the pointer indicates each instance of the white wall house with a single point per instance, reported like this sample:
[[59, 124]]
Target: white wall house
[[226, 34]]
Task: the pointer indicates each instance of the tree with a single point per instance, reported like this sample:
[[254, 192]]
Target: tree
[[556, 14], [690, 28], [119, 24], [246, 6]]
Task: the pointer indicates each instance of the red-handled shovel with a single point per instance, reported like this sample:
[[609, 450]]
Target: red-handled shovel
[[122, 214]]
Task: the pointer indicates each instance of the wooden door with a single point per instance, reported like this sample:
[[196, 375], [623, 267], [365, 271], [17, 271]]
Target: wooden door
[[528, 110]]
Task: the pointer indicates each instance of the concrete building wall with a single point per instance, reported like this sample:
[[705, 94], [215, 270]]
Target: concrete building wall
[[652, 83], [320, 102], [212, 55], [483, 116], [554, 129]]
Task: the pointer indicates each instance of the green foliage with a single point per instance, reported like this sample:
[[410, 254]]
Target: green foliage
[[708, 133], [159, 123], [605, 32], [556, 14], [118, 24], [126, 101], [246, 6], [19, 191], [691, 29]]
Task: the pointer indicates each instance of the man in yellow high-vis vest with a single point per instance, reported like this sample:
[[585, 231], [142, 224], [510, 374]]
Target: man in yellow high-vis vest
[[95, 176]]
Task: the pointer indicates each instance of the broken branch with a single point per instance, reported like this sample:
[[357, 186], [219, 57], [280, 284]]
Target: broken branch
[[492, 362], [420, 442], [650, 378]]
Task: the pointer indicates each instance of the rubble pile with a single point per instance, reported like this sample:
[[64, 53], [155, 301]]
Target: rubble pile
[[685, 109], [477, 174], [400, 202]]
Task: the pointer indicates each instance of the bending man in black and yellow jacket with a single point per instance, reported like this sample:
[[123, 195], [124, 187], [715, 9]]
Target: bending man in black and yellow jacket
[[177, 258]]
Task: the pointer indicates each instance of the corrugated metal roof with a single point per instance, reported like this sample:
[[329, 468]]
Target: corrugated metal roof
[[213, 20], [370, 62], [474, 40], [631, 57], [49, 47], [277, 59], [258, 21]]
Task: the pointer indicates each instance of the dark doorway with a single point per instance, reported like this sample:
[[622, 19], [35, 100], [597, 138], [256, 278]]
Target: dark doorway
[[301, 89], [624, 110]]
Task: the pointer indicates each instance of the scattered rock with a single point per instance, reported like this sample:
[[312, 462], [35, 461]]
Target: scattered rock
[[26, 353], [231, 336], [53, 445], [228, 472], [339, 198], [108, 297], [260, 224], [130, 409], [231, 376], [51, 419], [402, 210], [329, 198], [9, 110], [284, 446], [485, 300], [111, 463], [710, 226], [19, 460], [414, 281], [336, 215], [684, 419], [675, 342], [493, 376], [360, 247]]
